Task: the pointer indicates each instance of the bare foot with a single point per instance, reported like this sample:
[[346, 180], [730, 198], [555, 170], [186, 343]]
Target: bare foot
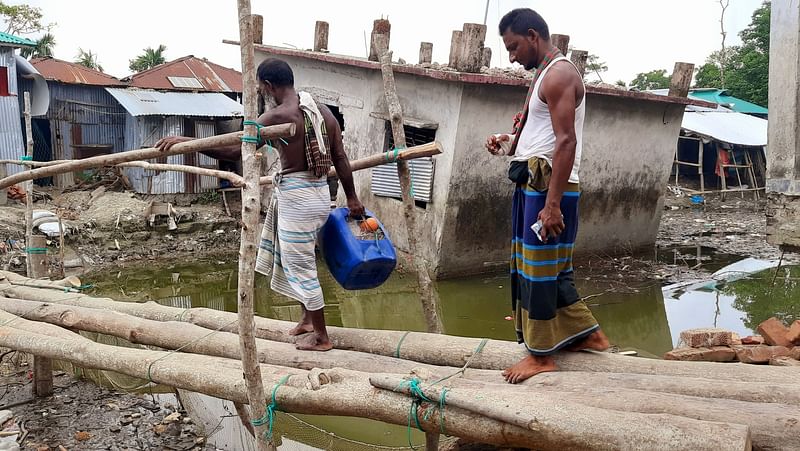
[[301, 328], [597, 341], [529, 366], [313, 342]]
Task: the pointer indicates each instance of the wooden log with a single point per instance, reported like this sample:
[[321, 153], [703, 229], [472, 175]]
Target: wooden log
[[561, 42], [28, 188], [681, 80], [321, 36], [455, 50], [235, 179], [419, 346], [251, 193], [577, 427], [472, 38], [4, 191], [425, 52], [411, 153], [175, 335], [344, 392], [36, 251], [579, 58], [379, 41], [195, 145], [428, 294]]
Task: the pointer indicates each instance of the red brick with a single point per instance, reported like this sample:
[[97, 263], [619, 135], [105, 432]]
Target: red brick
[[706, 338], [774, 332], [715, 354], [759, 353], [784, 361], [794, 333], [753, 340]]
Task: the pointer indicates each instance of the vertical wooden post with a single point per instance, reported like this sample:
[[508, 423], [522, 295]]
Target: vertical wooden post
[[486, 59], [28, 185], [455, 49], [4, 191], [321, 36], [42, 376], [379, 43], [251, 193], [430, 298], [681, 80], [61, 246], [425, 52], [471, 55], [258, 28], [37, 254], [579, 58], [561, 42]]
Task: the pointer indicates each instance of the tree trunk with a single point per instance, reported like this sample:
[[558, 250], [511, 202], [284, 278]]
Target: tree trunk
[[195, 145], [444, 350], [29, 190], [428, 294], [251, 213], [235, 179], [344, 392]]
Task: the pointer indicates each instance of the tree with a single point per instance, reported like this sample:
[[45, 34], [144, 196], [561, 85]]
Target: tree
[[23, 19], [594, 65], [621, 83], [88, 59], [655, 79], [150, 58], [44, 47]]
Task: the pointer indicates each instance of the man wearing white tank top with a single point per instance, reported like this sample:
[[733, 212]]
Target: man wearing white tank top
[[545, 153]]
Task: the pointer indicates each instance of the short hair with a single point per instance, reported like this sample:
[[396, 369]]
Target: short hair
[[276, 72], [520, 20]]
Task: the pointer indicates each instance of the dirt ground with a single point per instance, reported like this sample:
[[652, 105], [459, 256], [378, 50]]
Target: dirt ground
[[109, 229]]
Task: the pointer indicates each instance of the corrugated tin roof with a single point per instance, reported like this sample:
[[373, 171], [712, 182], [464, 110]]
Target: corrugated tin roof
[[723, 98], [725, 125], [213, 77], [15, 41], [66, 72], [141, 102]]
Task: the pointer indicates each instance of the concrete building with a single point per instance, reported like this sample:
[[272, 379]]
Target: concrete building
[[463, 195], [783, 150]]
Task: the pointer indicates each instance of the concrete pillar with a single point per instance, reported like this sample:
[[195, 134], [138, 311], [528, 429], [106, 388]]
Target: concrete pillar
[[425, 52], [783, 153], [321, 36], [486, 60], [561, 42], [379, 42], [471, 57], [258, 28], [455, 49], [681, 80], [579, 58]]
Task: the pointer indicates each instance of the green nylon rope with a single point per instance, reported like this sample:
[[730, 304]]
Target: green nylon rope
[[26, 158], [400, 343], [35, 250], [269, 415]]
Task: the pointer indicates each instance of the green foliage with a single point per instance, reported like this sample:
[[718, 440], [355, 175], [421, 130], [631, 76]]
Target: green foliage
[[150, 58], [595, 66], [23, 19], [88, 59], [655, 79], [44, 47]]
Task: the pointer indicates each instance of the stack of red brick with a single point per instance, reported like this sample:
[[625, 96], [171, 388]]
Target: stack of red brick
[[776, 345]]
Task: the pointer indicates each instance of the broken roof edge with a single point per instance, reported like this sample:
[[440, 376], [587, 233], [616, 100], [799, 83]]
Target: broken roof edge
[[464, 77]]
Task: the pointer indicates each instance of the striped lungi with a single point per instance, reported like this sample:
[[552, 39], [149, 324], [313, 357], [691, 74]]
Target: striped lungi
[[548, 312], [299, 207]]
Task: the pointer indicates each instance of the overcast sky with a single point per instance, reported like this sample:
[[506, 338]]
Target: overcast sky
[[631, 36]]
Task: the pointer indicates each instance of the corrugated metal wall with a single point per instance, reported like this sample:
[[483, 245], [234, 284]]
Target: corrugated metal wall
[[12, 145], [205, 129], [385, 181], [145, 131]]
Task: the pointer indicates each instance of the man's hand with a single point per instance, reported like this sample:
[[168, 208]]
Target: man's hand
[[552, 221], [355, 207], [494, 141], [164, 144]]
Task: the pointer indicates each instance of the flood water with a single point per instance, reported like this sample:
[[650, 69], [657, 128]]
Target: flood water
[[641, 316]]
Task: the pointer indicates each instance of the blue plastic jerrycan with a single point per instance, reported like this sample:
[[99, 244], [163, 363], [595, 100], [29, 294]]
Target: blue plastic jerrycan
[[358, 260]]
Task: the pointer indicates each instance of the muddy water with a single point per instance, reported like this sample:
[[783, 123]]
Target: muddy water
[[636, 315]]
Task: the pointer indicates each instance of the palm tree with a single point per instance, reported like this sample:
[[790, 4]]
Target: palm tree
[[88, 59], [44, 47], [150, 58]]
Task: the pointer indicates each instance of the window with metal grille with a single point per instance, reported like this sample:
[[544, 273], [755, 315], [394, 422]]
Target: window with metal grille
[[4, 82], [385, 181]]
